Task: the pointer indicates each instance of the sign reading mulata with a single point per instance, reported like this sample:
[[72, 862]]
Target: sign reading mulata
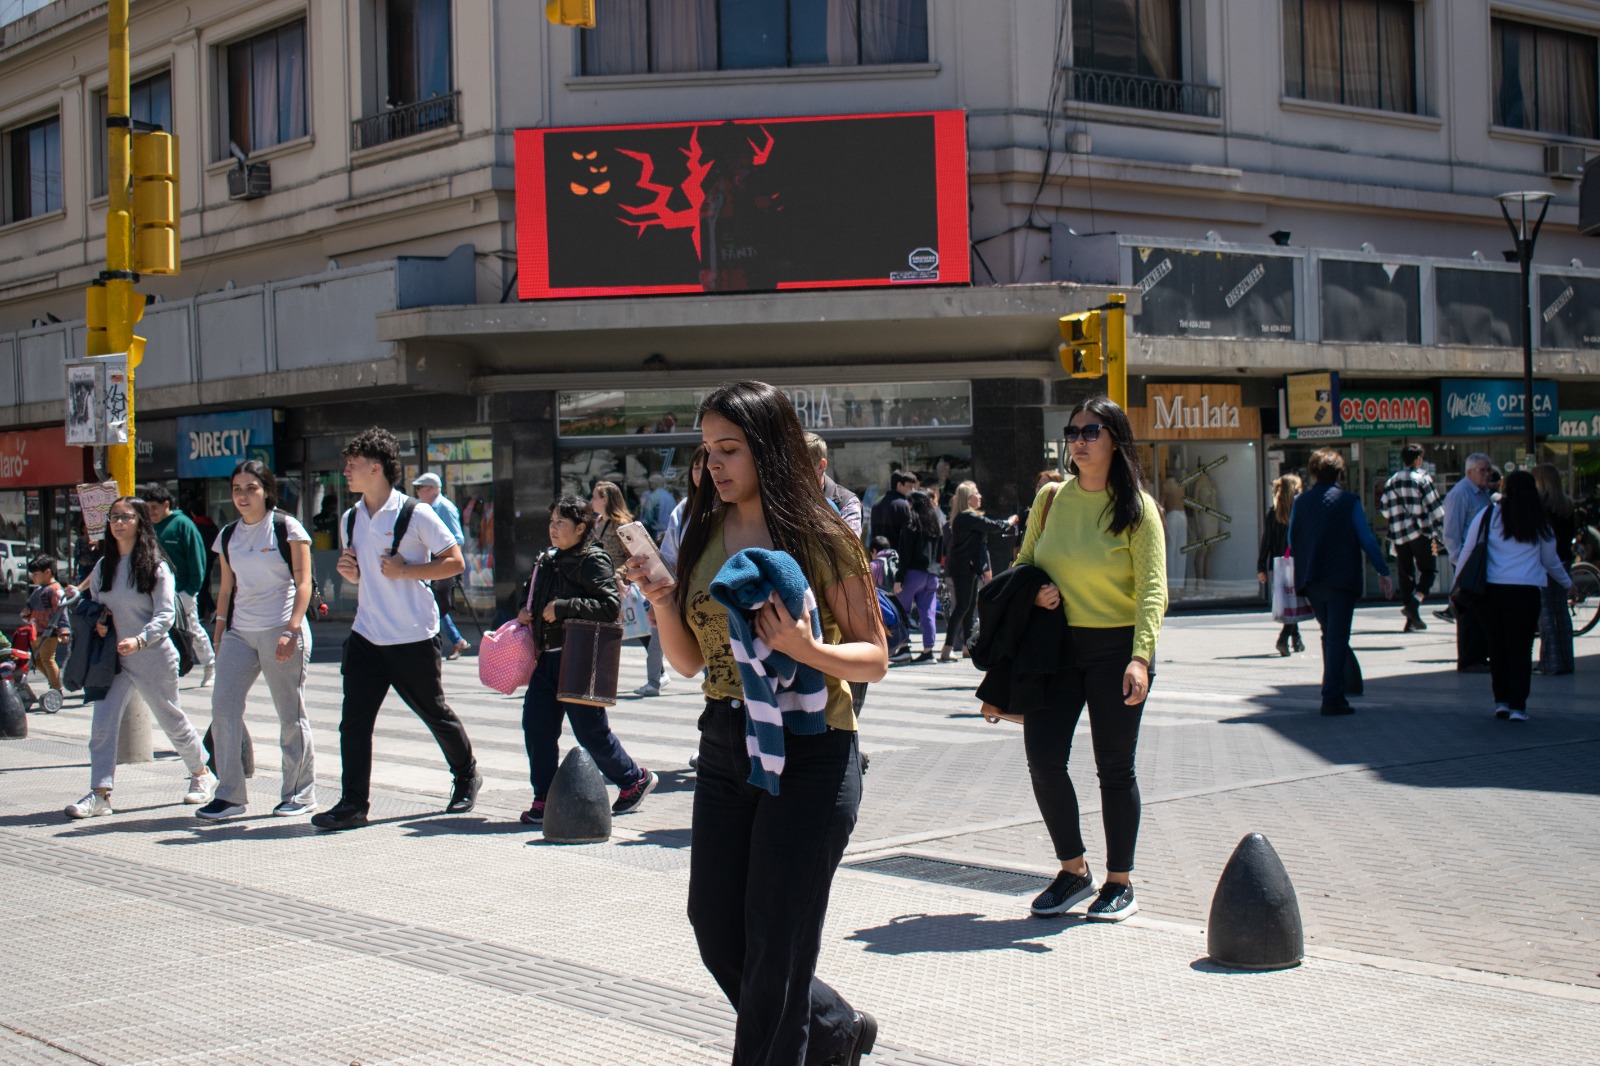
[[1195, 412]]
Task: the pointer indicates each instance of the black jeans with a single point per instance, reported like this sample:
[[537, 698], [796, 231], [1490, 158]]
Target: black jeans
[[760, 870], [959, 630], [414, 672], [1509, 615], [1472, 644], [1098, 659], [1414, 560], [541, 731], [1335, 610]]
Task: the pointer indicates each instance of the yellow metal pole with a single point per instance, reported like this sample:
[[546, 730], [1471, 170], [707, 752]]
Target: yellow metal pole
[[1116, 350], [123, 306]]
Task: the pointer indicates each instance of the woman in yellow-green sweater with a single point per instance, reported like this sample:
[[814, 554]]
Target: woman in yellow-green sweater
[[1101, 543]]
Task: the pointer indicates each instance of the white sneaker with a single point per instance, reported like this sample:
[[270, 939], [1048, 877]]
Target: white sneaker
[[1519, 716], [202, 786], [1502, 710], [91, 806], [205, 676], [647, 690]]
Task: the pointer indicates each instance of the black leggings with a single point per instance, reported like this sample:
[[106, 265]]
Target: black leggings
[[1097, 660], [959, 632]]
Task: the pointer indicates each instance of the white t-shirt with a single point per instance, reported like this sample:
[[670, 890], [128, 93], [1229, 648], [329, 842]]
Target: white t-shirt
[[395, 610], [263, 586]]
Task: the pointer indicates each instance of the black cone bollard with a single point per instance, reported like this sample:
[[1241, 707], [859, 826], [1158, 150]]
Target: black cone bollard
[[578, 810], [13, 715], [1255, 917]]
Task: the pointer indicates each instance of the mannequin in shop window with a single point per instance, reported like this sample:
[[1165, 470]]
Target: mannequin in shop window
[[1206, 525], [1175, 521]]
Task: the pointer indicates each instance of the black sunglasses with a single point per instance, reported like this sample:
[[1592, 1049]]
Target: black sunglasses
[[1090, 433]]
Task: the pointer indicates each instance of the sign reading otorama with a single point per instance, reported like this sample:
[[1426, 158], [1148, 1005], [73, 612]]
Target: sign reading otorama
[[212, 445]]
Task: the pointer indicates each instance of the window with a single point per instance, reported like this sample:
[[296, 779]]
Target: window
[[1138, 37], [417, 48], [1361, 53], [1544, 79], [664, 36], [149, 101], [267, 89], [33, 170]]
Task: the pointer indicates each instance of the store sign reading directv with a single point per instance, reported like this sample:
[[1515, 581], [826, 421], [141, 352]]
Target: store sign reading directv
[[212, 445], [1475, 407]]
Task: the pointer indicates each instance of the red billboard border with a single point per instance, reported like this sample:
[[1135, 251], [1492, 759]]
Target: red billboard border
[[950, 178]]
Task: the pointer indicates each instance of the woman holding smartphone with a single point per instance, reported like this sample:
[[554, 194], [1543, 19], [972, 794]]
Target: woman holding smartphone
[[762, 864], [135, 585]]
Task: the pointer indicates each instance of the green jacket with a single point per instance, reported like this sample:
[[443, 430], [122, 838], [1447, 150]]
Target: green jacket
[[186, 550]]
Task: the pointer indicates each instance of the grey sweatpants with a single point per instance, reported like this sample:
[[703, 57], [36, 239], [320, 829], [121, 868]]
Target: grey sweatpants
[[241, 658], [154, 672], [204, 655]]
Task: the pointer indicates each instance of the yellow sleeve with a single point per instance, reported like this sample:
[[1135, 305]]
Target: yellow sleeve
[[1148, 545], [1036, 518]]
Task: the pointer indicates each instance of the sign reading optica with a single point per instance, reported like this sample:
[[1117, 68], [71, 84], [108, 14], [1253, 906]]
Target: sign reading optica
[[1478, 407], [750, 205], [212, 445]]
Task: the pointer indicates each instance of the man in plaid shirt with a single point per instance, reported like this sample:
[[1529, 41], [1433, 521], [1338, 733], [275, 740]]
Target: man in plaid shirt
[[1415, 514]]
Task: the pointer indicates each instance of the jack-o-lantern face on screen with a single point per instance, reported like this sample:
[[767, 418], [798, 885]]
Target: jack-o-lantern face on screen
[[597, 182]]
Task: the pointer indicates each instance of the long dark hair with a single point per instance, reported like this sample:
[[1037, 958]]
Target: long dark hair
[[924, 515], [1521, 511], [147, 554], [1126, 503], [262, 473], [799, 518]]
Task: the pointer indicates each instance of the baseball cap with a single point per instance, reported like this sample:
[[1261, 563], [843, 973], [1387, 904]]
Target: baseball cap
[[428, 479]]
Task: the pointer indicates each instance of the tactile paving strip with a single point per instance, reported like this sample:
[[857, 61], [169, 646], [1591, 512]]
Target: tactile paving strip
[[959, 874], [689, 1016]]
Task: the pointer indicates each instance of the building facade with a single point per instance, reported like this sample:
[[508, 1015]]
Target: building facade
[[1281, 186]]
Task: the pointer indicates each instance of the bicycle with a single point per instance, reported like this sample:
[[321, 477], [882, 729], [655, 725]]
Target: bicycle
[[1586, 611]]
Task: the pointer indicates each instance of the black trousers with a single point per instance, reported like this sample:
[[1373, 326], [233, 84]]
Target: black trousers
[[1335, 609], [760, 870], [1093, 676], [1472, 644], [1509, 615], [959, 631], [1414, 560], [413, 670]]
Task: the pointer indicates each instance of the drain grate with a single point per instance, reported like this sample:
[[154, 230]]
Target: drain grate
[[960, 874]]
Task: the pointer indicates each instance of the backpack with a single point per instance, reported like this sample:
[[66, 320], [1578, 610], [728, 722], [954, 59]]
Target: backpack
[[402, 523], [280, 532]]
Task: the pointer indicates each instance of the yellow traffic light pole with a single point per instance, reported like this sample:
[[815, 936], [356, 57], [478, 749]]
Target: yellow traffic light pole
[[1117, 349], [1095, 343]]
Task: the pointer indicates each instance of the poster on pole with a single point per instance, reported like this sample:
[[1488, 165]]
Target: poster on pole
[[83, 403], [116, 403], [95, 501]]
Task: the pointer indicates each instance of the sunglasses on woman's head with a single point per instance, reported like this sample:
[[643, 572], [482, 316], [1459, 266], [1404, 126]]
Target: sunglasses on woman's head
[[1090, 433]]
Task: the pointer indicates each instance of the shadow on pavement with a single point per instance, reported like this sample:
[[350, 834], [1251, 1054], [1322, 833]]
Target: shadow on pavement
[[458, 825], [944, 933], [661, 838]]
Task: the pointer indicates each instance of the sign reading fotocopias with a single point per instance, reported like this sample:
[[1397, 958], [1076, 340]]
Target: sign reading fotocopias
[[1195, 412]]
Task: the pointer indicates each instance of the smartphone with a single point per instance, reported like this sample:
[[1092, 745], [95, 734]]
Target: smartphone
[[638, 541]]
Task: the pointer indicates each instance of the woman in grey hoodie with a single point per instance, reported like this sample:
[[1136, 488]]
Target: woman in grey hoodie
[[134, 583]]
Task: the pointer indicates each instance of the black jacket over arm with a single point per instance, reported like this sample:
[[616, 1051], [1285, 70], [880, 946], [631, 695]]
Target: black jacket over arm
[[1020, 646], [580, 582]]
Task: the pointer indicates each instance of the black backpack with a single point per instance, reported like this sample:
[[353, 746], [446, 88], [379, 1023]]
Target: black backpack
[[402, 523], [280, 530]]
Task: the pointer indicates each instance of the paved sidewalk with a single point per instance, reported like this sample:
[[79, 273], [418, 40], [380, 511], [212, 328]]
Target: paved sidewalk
[[1444, 866]]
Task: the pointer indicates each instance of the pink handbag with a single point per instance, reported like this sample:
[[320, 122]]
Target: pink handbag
[[507, 656]]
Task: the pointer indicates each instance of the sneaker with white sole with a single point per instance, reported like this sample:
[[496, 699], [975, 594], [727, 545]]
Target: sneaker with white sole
[[1064, 892], [1518, 716], [91, 806], [629, 798], [202, 786], [207, 674], [647, 690], [293, 808], [217, 810], [1114, 903], [1502, 710]]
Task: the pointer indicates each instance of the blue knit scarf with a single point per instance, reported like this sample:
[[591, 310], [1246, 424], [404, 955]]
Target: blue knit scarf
[[779, 693]]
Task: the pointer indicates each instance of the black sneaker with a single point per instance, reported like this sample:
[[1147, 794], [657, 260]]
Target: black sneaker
[[1065, 891], [343, 815], [1342, 707], [1414, 624], [217, 810], [533, 815], [464, 794], [629, 798], [1115, 903], [863, 1034]]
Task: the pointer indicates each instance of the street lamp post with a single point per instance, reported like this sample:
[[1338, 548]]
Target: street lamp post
[[1525, 236]]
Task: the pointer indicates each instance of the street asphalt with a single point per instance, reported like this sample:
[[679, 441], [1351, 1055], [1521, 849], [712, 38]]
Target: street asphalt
[[1443, 860]]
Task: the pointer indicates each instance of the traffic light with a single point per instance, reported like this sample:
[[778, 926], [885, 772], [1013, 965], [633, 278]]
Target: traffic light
[[1081, 350], [155, 203], [578, 13]]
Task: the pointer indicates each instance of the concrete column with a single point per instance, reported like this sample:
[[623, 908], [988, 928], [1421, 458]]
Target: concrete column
[[527, 481], [133, 742]]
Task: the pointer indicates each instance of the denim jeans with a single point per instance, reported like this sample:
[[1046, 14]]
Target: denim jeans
[[760, 870], [1335, 610], [542, 715]]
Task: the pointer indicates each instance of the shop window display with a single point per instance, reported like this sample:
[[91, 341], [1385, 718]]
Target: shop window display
[[465, 465], [1207, 496]]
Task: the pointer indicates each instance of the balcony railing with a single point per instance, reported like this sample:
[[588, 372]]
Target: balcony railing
[[405, 121], [1146, 94]]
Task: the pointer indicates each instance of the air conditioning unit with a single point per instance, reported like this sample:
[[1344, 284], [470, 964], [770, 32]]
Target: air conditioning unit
[[1564, 161], [250, 181]]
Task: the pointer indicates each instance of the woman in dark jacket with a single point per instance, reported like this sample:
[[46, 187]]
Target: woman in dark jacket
[[968, 561], [575, 580], [1275, 545], [1555, 617]]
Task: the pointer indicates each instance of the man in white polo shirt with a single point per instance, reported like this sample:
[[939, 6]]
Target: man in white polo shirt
[[391, 643]]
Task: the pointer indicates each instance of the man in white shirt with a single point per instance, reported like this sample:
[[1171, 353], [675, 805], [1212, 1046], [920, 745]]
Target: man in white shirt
[[391, 642]]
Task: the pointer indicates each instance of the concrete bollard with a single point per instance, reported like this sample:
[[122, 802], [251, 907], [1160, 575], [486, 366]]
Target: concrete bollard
[[133, 737], [1255, 917], [578, 809], [13, 715]]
